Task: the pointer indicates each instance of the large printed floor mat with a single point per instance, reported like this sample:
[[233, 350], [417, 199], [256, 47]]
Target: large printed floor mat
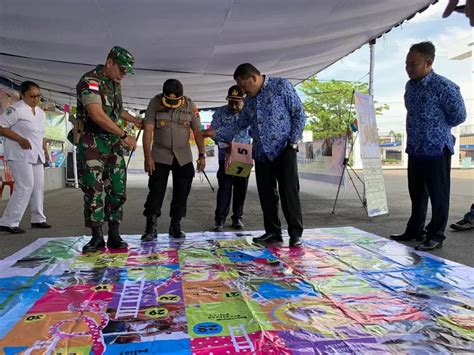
[[345, 292]]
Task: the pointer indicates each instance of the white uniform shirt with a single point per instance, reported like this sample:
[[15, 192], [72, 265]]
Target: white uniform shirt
[[21, 120]]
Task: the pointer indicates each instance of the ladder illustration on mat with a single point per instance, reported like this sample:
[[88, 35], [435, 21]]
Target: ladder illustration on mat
[[237, 333], [245, 290], [48, 344], [260, 299], [130, 298], [146, 250], [239, 284]]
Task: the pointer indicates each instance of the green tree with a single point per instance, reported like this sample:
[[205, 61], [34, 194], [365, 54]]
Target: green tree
[[396, 136], [329, 106]]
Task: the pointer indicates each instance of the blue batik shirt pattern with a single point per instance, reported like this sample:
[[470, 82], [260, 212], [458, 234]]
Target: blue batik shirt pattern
[[276, 118], [434, 104], [223, 120]]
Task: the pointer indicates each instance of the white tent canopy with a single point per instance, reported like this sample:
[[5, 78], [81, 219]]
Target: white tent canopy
[[198, 42]]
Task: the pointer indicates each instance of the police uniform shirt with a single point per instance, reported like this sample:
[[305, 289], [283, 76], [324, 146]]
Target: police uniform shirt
[[172, 130], [21, 120]]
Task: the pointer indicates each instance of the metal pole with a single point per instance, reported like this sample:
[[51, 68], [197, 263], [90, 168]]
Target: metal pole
[[133, 150], [208, 181], [371, 92], [74, 166], [371, 70]]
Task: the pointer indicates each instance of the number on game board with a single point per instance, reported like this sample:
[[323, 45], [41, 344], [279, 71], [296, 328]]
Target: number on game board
[[34, 318]]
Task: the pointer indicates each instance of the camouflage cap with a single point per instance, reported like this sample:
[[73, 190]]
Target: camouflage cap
[[123, 58]]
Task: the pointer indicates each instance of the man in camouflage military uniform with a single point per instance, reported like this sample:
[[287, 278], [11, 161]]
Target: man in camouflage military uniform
[[101, 164], [168, 120]]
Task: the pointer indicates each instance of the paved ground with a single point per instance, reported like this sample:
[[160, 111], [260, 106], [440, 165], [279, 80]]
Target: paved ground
[[64, 210]]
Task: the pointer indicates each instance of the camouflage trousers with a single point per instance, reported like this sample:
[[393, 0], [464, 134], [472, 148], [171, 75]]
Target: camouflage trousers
[[102, 178]]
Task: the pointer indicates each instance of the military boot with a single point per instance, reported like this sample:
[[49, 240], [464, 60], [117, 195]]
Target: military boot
[[114, 241], [97, 241], [150, 229], [175, 228]]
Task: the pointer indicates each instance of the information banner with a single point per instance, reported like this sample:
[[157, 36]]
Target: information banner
[[371, 155]]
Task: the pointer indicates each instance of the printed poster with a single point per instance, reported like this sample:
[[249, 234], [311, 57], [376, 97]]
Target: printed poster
[[371, 156], [56, 122], [323, 160]]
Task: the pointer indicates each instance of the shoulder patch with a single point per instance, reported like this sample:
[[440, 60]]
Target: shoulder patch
[[93, 85], [9, 110]]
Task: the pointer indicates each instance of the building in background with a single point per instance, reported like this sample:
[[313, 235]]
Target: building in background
[[462, 50]]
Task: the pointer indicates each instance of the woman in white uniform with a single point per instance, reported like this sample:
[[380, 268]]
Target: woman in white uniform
[[23, 126]]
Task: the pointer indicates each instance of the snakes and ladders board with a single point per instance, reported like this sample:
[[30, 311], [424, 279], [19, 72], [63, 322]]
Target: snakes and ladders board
[[346, 291]]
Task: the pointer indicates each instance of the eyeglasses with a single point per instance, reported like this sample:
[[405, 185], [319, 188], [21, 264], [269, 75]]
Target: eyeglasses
[[37, 96]]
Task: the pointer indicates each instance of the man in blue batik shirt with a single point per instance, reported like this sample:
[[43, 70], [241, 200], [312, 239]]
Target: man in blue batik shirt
[[276, 118], [434, 104], [223, 118]]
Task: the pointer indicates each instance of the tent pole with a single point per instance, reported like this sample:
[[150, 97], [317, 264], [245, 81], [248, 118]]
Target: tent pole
[[371, 70], [371, 93]]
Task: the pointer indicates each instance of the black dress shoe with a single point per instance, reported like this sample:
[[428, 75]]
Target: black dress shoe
[[296, 241], [219, 226], [237, 224], [462, 225], [408, 236], [429, 244], [148, 237], [175, 230], [268, 238], [12, 230], [150, 229], [42, 225]]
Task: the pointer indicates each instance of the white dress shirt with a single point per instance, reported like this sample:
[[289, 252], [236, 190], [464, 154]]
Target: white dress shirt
[[21, 120]]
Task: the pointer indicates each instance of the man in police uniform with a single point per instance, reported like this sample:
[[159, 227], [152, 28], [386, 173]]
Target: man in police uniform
[[168, 120], [101, 147]]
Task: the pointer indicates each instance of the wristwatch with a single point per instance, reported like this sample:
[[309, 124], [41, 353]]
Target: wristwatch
[[125, 135], [202, 155]]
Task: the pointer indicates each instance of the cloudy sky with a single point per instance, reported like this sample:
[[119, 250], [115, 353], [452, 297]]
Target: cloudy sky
[[449, 35]]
